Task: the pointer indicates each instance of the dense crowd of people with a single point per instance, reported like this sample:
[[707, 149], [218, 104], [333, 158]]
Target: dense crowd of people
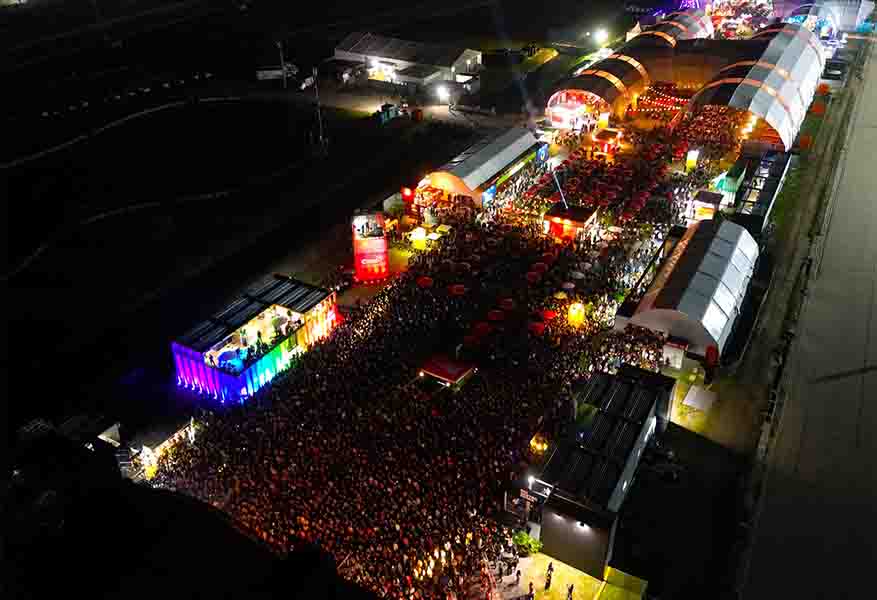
[[398, 478], [507, 195], [714, 129], [360, 456]]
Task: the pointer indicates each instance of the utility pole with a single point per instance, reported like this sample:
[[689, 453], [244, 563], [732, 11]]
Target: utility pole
[[319, 112], [282, 61]]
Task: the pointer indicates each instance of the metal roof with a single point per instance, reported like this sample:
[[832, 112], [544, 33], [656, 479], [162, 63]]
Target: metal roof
[[418, 71], [378, 46], [487, 157], [589, 465], [271, 289], [763, 180], [701, 286]]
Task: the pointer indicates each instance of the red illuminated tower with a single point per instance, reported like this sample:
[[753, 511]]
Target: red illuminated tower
[[370, 255]]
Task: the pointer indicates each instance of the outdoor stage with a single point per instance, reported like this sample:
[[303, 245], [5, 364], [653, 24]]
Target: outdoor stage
[[241, 348]]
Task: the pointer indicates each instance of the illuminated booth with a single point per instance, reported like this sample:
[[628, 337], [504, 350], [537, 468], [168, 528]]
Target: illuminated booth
[[565, 223], [371, 257], [244, 346], [477, 175], [575, 109]]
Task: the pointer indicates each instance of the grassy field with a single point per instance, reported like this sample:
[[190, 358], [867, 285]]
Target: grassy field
[[788, 197], [728, 422], [812, 124]]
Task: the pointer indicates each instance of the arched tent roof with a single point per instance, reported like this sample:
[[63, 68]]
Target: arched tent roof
[[465, 173], [626, 71], [597, 81], [677, 26], [698, 292], [778, 85]]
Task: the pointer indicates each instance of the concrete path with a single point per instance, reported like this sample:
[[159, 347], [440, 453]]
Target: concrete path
[[816, 536]]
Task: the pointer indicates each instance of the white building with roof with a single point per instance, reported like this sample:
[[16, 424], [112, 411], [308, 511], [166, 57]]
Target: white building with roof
[[404, 61], [472, 172], [698, 292]]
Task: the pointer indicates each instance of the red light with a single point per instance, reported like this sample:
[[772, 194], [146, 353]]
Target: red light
[[407, 193]]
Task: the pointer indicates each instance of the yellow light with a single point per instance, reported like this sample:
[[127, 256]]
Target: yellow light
[[691, 160], [576, 316], [418, 238]]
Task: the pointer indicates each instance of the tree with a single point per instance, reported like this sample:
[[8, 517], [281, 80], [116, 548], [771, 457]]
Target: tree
[[526, 544]]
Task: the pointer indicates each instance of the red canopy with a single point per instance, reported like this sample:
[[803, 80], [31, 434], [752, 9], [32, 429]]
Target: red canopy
[[548, 314], [495, 315], [533, 276], [536, 327], [481, 328], [507, 304], [445, 369], [424, 282]]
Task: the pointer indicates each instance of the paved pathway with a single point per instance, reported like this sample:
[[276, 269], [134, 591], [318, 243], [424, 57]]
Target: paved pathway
[[817, 529]]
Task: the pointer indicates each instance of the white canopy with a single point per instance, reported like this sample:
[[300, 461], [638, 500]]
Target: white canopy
[[698, 292]]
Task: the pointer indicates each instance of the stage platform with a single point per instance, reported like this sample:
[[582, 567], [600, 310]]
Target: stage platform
[[242, 347]]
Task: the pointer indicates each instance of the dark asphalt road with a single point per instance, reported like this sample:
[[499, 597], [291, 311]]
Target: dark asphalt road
[[816, 532]]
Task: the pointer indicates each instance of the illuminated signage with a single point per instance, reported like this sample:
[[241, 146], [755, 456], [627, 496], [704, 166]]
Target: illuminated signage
[[691, 160], [542, 153], [488, 196], [370, 251], [704, 212], [528, 496]]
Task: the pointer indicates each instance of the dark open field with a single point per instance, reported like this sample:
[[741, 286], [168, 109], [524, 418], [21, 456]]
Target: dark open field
[[111, 294], [106, 297]]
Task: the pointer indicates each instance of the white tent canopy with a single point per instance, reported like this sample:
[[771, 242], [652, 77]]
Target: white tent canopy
[[484, 159], [698, 292], [778, 85]]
